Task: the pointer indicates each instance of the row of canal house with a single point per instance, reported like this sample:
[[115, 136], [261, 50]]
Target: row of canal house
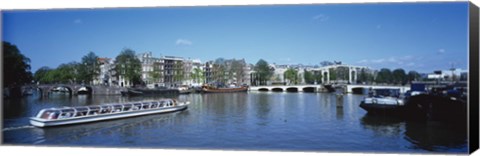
[[172, 71]]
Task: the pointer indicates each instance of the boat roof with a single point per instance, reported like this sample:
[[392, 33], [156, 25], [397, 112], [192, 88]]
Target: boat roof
[[104, 105]]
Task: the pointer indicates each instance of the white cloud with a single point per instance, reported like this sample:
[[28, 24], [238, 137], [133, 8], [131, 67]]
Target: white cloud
[[77, 21], [321, 17], [183, 42], [441, 51]]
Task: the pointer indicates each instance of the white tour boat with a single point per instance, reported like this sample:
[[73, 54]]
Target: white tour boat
[[82, 114]]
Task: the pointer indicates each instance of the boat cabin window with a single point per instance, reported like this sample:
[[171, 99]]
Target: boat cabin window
[[162, 103], [106, 109], [94, 110], [50, 114], [81, 111], [66, 113], [117, 108], [145, 105], [154, 105], [137, 106], [127, 107]]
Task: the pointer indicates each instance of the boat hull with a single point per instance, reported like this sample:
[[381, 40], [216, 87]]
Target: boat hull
[[383, 109], [225, 90], [47, 123]]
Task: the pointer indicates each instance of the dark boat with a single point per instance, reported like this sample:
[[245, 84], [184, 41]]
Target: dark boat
[[207, 89], [437, 107], [145, 91]]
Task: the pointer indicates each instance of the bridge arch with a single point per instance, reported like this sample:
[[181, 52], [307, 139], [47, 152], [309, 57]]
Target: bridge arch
[[277, 89], [309, 89], [85, 90], [70, 89], [292, 89], [263, 89]]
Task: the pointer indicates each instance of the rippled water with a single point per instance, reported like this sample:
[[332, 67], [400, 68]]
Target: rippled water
[[245, 121]]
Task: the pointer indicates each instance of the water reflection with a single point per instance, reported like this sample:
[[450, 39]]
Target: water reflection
[[434, 136], [383, 126]]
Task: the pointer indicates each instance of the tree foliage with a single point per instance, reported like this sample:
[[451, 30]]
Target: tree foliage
[[291, 75], [197, 75], [156, 74], [16, 66], [89, 68], [129, 66], [262, 71], [413, 76], [384, 76], [399, 76]]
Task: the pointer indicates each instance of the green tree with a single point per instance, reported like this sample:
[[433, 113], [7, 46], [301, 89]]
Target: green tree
[[365, 76], [197, 75], [318, 77], [384, 76], [413, 76], [41, 74], [128, 66], [333, 74], [156, 74], [399, 76], [309, 77], [263, 71], [291, 75], [16, 67], [89, 69], [67, 73]]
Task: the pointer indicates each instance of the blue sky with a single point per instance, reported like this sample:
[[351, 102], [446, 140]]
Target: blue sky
[[414, 36]]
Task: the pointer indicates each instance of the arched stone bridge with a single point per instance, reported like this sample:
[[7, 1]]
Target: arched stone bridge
[[292, 88], [73, 89], [319, 88]]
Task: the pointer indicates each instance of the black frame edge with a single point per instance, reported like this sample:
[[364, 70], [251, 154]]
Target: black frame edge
[[473, 101]]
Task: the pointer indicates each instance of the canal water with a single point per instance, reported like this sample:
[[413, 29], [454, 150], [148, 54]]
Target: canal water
[[238, 121]]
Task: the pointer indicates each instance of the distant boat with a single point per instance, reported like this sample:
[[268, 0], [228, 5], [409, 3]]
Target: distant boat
[[75, 115], [207, 89], [144, 91]]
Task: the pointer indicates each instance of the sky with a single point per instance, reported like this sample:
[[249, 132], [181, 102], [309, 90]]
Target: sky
[[413, 36]]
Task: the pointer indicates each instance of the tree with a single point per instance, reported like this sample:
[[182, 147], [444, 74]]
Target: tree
[[67, 73], [399, 76], [156, 74], [333, 74], [197, 75], [128, 66], [16, 67], [291, 75], [309, 77], [41, 74], [365, 76], [318, 77], [89, 68], [413, 76], [384, 76], [263, 71]]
